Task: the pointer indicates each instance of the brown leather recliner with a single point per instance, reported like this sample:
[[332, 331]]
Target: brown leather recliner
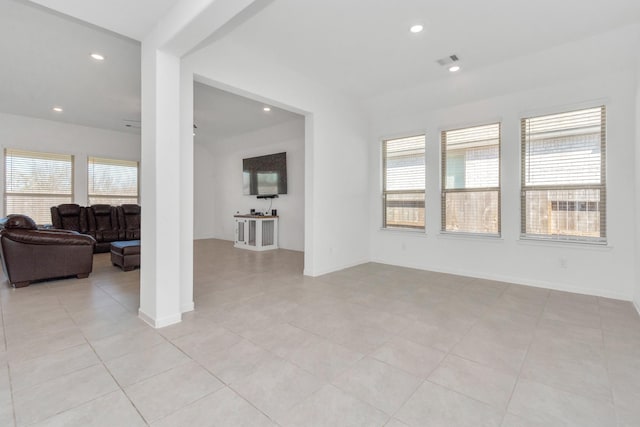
[[103, 226], [30, 254], [69, 216], [129, 221]]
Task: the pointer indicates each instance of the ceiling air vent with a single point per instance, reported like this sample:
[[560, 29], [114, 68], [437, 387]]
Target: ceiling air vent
[[448, 60], [135, 124]]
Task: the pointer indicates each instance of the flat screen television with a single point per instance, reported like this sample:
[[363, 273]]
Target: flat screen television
[[265, 175]]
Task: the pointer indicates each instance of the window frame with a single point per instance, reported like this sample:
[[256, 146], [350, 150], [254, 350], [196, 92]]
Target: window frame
[[602, 240], [6, 194], [444, 191], [386, 192], [134, 200]]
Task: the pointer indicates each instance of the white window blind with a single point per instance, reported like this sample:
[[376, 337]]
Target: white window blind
[[563, 176], [471, 180], [36, 181], [112, 182], [403, 182]]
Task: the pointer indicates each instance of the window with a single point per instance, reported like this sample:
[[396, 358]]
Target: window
[[112, 182], [471, 180], [563, 176], [403, 182], [36, 181]]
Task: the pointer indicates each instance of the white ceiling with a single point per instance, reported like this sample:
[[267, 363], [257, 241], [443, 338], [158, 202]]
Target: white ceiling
[[361, 47], [46, 63], [132, 18], [220, 114], [364, 48]]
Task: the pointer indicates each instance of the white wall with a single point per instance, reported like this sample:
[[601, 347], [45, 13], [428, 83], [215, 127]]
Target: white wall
[[606, 271], [218, 183], [204, 199], [56, 137], [336, 136], [637, 171]]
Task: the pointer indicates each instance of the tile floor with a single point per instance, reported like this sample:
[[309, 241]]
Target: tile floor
[[372, 345]]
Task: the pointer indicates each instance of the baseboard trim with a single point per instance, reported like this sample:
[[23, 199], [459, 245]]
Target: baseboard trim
[[159, 323], [332, 269], [188, 307], [209, 238], [520, 281]]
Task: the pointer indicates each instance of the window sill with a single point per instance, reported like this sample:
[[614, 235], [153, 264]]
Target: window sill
[[470, 236], [589, 246], [407, 231]]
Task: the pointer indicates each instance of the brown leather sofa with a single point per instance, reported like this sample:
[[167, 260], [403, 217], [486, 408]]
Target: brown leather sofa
[[30, 254], [105, 223]]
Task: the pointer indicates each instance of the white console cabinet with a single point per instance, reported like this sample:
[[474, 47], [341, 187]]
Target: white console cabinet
[[256, 233]]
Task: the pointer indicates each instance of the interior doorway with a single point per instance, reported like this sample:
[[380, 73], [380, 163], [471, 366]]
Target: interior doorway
[[230, 129]]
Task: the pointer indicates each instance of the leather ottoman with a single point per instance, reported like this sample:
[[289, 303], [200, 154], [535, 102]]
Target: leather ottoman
[[126, 255]]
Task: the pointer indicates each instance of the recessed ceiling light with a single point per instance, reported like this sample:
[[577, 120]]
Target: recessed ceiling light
[[454, 68], [266, 109], [416, 28], [57, 109], [97, 57]]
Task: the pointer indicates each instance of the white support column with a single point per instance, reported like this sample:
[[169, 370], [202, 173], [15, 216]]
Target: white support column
[[309, 262], [160, 173], [186, 192], [166, 274]]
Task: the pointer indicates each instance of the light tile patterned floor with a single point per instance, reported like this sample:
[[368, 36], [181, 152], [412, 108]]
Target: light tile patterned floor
[[372, 345]]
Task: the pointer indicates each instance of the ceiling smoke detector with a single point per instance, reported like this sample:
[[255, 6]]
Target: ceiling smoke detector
[[448, 60]]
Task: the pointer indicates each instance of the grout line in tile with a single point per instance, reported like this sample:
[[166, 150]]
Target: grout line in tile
[[254, 406], [76, 406], [6, 349], [616, 407], [102, 362], [15, 421], [524, 359], [128, 397], [605, 356], [447, 353]]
